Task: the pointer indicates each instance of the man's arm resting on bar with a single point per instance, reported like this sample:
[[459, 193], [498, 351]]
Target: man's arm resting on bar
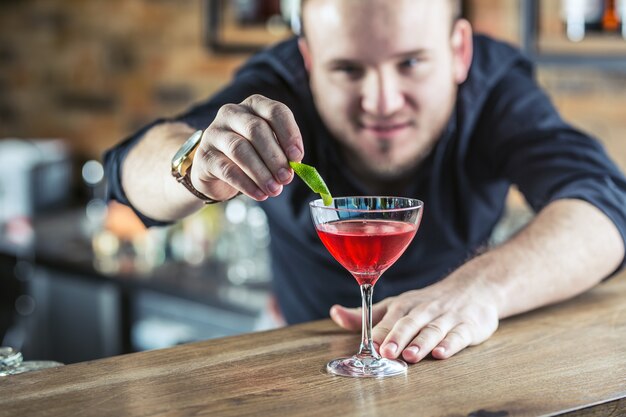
[[568, 248]]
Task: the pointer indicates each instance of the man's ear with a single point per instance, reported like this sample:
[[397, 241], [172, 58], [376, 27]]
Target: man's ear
[[305, 52], [462, 49]]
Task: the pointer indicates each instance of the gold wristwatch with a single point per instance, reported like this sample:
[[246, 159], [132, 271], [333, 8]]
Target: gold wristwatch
[[181, 165]]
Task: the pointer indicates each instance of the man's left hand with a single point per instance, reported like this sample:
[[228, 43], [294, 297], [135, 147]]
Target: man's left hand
[[443, 319]]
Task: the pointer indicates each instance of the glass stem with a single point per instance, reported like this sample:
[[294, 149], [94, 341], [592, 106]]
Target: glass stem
[[367, 344]]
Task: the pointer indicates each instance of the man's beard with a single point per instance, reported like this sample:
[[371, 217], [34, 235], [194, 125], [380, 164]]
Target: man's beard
[[384, 147], [387, 171]]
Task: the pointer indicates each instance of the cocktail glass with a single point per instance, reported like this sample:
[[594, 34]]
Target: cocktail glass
[[367, 235]]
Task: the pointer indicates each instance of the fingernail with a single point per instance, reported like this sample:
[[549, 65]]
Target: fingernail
[[260, 195], [283, 175], [391, 347], [294, 153], [413, 350], [440, 349], [273, 187]]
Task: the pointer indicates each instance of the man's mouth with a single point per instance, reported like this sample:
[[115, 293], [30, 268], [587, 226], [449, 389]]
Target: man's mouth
[[386, 130]]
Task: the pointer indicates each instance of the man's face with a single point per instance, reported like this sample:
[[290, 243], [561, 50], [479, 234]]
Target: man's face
[[384, 77]]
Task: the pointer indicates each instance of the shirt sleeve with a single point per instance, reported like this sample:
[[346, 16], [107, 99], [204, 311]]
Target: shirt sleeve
[[527, 142]]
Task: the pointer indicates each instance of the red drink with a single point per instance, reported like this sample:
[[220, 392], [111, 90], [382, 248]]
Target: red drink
[[366, 248], [366, 235]]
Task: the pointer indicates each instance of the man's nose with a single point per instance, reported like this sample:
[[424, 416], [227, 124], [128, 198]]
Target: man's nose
[[382, 95]]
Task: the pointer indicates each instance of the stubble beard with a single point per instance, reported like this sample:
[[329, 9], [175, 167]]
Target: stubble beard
[[384, 169]]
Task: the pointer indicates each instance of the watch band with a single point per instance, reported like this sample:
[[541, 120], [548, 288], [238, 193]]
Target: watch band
[[181, 167], [185, 180]]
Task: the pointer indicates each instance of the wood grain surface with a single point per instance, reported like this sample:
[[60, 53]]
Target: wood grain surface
[[552, 361]]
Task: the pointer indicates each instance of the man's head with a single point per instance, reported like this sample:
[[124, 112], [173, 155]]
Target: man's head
[[384, 75]]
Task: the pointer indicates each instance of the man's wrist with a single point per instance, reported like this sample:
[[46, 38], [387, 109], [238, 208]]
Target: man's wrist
[[182, 163], [476, 279], [186, 182]]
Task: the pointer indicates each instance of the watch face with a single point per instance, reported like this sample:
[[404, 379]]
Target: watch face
[[186, 149]]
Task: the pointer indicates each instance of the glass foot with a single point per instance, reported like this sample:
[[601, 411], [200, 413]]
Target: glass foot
[[368, 367]]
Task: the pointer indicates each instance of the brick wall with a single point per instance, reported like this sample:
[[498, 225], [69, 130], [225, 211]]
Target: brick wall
[[92, 71]]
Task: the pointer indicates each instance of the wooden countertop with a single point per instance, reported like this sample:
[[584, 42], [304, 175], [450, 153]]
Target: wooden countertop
[[551, 361]]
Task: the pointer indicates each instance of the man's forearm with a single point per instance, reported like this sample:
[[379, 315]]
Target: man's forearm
[[568, 248], [146, 177]]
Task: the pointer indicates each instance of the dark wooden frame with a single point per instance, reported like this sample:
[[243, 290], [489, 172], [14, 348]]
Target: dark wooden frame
[[214, 13]]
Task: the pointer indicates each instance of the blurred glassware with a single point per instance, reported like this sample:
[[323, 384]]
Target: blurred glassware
[[581, 16], [599, 16], [192, 240], [610, 17], [120, 241], [290, 9], [11, 363], [92, 173], [235, 233], [35, 177], [243, 244], [622, 15]]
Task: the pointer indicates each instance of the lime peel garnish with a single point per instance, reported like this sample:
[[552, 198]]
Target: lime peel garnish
[[313, 179]]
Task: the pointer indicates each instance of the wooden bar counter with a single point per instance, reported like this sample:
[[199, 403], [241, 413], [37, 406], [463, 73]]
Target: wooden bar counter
[[565, 359]]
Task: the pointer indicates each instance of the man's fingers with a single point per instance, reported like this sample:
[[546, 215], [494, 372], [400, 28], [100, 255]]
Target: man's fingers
[[402, 333], [259, 133], [457, 339], [415, 332], [248, 147], [282, 122], [380, 309], [240, 151], [219, 166], [392, 313], [350, 318], [428, 337]]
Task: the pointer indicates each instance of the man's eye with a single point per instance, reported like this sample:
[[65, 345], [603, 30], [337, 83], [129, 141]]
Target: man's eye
[[352, 71], [409, 63]]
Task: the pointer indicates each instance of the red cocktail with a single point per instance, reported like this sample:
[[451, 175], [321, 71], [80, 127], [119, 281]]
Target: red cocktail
[[366, 248], [367, 235]]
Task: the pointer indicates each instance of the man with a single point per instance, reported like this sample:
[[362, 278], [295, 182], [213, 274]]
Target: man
[[397, 98]]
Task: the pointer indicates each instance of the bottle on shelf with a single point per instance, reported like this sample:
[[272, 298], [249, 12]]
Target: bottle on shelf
[[610, 17], [621, 8], [581, 17]]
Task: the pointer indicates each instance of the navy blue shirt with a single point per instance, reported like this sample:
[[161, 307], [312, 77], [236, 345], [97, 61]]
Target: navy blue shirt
[[503, 131]]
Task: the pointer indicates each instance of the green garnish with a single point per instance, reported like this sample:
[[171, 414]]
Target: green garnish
[[313, 179]]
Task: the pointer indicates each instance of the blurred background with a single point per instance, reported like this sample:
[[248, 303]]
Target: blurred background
[[80, 279]]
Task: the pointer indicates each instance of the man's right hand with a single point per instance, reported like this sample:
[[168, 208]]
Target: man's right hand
[[247, 149]]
